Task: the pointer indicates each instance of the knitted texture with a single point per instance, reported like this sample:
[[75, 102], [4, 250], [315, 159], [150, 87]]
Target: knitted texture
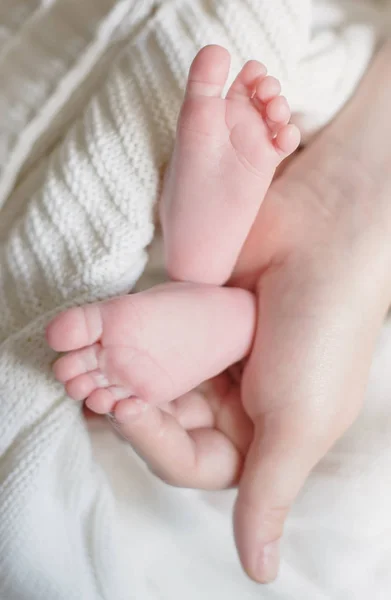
[[77, 217]]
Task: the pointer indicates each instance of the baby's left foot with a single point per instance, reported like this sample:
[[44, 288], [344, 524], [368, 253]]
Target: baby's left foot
[[225, 156], [153, 346]]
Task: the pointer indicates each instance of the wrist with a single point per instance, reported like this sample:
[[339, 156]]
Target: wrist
[[360, 136], [349, 165]]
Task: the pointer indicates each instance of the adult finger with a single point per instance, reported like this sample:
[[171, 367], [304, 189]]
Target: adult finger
[[199, 458], [278, 463]]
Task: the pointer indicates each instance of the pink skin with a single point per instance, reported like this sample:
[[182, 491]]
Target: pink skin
[[242, 138], [319, 260], [225, 156], [151, 345]]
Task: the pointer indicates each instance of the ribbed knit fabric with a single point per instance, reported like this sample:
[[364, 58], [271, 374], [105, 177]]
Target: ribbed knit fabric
[[89, 96]]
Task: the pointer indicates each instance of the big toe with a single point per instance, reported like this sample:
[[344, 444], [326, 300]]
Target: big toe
[[209, 72], [74, 328]]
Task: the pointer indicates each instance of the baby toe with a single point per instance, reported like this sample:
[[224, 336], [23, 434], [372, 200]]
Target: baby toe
[[209, 72], [278, 111], [267, 89], [287, 139], [130, 408], [104, 400], [84, 385], [245, 83], [76, 363], [75, 328]]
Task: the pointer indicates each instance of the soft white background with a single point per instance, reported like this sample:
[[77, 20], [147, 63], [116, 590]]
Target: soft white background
[[76, 526]]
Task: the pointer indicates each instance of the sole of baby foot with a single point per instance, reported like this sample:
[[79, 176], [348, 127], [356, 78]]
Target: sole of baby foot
[[155, 345], [224, 159]]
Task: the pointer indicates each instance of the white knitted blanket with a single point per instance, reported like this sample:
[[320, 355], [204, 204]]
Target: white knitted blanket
[[89, 94]]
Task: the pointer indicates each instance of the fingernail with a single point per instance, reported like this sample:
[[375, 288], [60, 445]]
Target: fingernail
[[268, 562]]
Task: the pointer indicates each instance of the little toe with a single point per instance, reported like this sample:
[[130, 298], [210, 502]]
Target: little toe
[[246, 82], [82, 386], [287, 139], [209, 72], [278, 111], [76, 363], [104, 400], [268, 88], [75, 328]]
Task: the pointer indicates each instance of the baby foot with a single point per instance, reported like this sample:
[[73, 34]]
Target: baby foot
[[225, 156], [153, 346]]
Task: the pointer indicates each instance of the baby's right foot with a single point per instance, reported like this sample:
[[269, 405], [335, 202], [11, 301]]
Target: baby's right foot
[[225, 156]]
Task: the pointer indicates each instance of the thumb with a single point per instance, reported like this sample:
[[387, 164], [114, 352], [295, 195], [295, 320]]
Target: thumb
[[278, 463], [303, 387]]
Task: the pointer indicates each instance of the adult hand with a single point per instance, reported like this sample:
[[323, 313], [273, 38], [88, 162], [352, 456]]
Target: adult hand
[[319, 256], [319, 261]]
